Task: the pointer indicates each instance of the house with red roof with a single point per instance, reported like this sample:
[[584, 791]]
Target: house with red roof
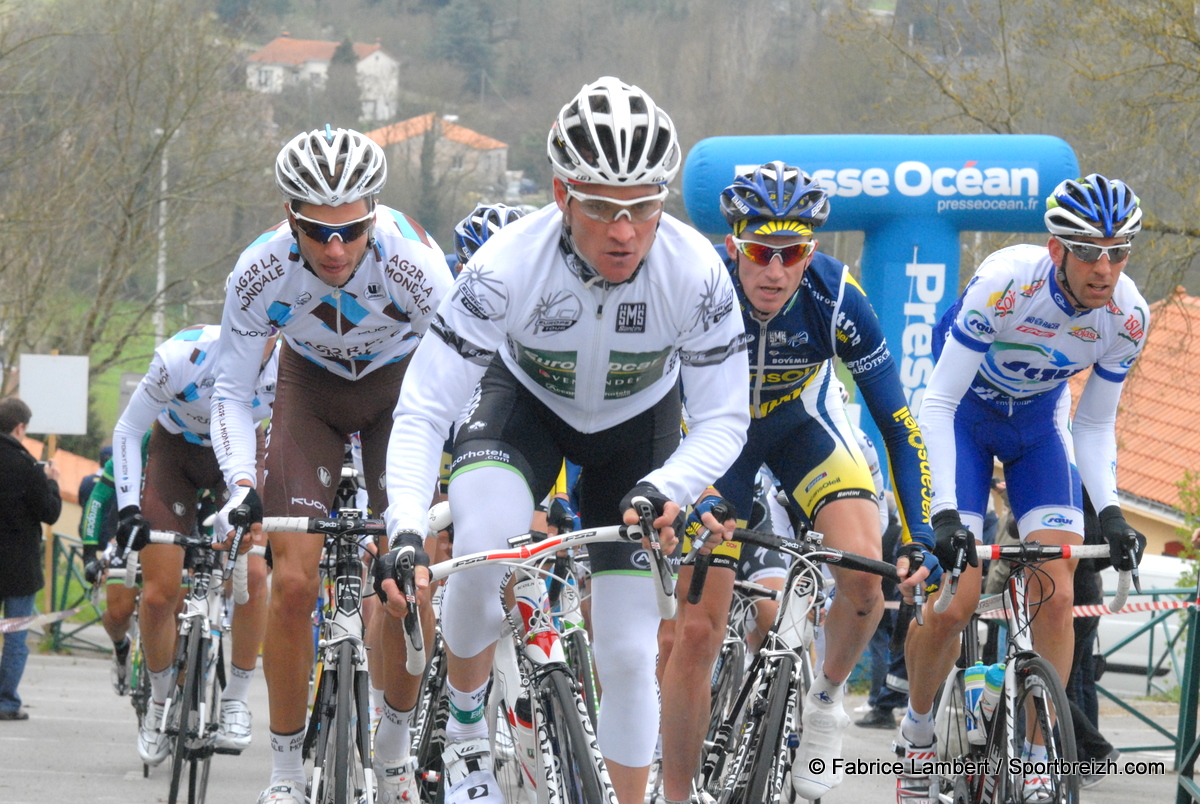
[[478, 159], [285, 62], [1158, 429]]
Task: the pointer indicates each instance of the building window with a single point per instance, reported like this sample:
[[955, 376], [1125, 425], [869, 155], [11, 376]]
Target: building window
[[264, 79], [456, 162]]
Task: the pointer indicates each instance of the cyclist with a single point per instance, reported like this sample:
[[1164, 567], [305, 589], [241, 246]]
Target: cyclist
[[801, 309], [580, 319], [119, 600], [473, 231], [351, 284], [172, 403], [1030, 318]]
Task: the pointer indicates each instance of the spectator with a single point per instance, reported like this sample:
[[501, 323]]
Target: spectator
[[28, 496]]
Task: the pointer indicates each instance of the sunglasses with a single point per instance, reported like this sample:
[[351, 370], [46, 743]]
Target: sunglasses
[[1090, 252], [762, 254], [608, 210], [324, 232]]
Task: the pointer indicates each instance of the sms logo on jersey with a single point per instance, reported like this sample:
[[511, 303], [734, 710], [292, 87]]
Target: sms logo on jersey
[[1134, 328], [1057, 521], [1029, 290]]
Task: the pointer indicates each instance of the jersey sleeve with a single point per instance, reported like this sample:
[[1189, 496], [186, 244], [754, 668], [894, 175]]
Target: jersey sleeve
[[713, 363], [147, 402], [244, 329], [861, 346], [95, 509]]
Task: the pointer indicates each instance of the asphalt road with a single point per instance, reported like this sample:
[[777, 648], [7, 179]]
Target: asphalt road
[[79, 745]]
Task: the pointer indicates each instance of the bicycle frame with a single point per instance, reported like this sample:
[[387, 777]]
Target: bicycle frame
[[340, 637]]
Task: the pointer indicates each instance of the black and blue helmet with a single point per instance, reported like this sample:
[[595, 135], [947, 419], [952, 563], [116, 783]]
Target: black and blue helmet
[[483, 222], [771, 193]]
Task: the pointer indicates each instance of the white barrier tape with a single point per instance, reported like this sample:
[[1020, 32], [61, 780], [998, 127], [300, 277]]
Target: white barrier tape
[[1096, 610], [25, 623]]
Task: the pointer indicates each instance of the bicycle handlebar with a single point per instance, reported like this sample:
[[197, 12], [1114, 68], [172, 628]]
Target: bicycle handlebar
[[722, 511], [1035, 552], [812, 550], [664, 590]]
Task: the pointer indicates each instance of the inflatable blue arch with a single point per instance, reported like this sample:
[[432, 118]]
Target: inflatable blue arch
[[911, 196]]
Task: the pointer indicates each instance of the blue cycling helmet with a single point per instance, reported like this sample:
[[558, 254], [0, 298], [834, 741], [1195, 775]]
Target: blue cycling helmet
[[772, 193], [1093, 207], [483, 222]]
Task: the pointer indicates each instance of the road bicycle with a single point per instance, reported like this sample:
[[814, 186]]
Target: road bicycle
[[338, 736], [1032, 703], [543, 740], [748, 759], [191, 716]]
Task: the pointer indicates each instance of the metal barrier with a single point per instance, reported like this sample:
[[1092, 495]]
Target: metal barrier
[[70, 590], [1188, 746]]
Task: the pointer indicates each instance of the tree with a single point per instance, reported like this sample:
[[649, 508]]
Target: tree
[[93, 108], [343, 99]]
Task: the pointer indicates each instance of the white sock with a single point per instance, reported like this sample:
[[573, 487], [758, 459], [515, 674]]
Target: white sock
[[917, 728], [826, 691], [392, 739], [376, 700], [161, 683], [287, 763], [466, 714], [237, 687]]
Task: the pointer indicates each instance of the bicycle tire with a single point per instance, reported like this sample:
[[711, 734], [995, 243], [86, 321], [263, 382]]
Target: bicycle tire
[[139, 693], [953, 747], [198, 782], [343, 756], [727, 681], [769, 754], [433, 711], [318, 738], [732, 752], [570, 763], [506, 745], [186, 709], [579, 657], [1040, 691]]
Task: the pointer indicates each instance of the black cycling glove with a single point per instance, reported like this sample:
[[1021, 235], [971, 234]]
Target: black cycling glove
[[385, 565], [657, 499], [130, 525], [945, 525], [1119, 533]]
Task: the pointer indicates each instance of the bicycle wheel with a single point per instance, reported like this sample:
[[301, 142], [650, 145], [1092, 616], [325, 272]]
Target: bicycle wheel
[[1040, 696], [725, 767], [215, 685], [318, 738], [570, 762], [347, 773], [950, 723], [579, 657], [185, 712], [510, 763], [727, 681], [433, 710], [771, 756]]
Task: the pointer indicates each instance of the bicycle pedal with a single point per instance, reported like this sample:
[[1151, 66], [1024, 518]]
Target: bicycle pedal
[[228, 751]]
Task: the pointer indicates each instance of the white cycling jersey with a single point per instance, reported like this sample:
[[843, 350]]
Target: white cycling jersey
[[175, 392], [376, 318], [594, 353], [1014, 335]]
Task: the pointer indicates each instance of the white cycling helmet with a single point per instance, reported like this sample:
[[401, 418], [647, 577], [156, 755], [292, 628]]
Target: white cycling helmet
[[612, 133], [330, 167]]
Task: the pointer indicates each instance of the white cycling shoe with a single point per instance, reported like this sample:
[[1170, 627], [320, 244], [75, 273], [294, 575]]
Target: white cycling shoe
[[469, 778], [397, 781], [822, 724], [233, 735], [153, 745], [291, 792]]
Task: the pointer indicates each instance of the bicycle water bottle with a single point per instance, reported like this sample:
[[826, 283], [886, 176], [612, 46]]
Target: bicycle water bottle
[[973, 684], [993, 681]]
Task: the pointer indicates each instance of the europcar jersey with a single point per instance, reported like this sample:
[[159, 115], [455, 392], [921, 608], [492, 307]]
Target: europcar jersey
[[176, 392], [829, 316], [595, 354], [376, 318], [1015, 311]]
